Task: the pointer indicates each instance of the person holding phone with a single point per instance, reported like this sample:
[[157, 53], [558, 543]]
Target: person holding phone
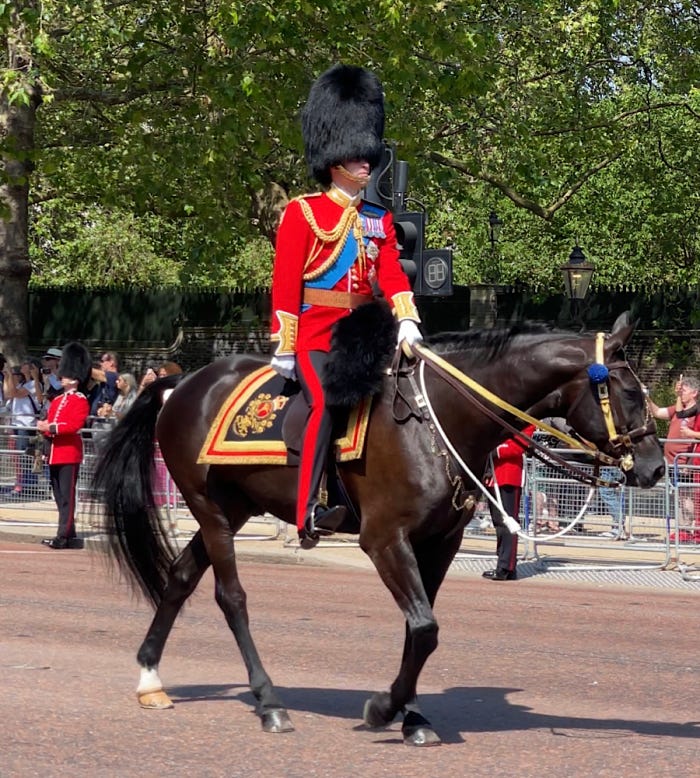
[[23, 392], [147, 378], [683, 435]]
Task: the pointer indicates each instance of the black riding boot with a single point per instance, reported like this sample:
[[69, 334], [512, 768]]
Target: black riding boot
[[321, 521]]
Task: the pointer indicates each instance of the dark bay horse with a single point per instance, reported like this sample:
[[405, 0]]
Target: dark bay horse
[[406, 488]]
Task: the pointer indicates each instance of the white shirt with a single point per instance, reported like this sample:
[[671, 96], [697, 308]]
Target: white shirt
[[22, 409]]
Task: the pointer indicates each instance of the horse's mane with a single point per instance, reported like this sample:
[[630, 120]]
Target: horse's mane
[[489, 343]]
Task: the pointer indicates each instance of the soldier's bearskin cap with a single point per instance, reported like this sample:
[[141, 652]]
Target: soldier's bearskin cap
[[75, 363], [343, 119]]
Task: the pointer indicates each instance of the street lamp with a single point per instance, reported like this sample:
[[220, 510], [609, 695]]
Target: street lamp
[[577, 274], [495, 225]]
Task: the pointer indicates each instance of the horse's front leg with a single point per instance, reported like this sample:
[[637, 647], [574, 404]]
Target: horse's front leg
[[397, 566], [184, 575], [434, 558]]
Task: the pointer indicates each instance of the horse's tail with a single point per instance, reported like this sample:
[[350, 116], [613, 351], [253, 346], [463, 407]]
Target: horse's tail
[[123, 481]]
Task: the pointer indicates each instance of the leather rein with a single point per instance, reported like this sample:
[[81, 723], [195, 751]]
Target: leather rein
[[474, 392]]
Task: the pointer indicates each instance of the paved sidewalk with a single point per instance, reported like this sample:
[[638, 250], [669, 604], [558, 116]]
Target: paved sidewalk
[[605, 563]]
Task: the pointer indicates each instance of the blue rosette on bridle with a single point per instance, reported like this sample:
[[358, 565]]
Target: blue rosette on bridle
[[597, 373]]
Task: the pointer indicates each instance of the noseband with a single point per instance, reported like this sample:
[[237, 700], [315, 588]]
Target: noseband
[[621, 442]]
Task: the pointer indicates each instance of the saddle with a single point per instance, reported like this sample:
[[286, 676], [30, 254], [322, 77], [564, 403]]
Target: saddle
[[261, 423], [262, 419]]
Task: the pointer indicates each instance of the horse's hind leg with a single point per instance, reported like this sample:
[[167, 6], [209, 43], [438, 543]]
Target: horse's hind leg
[[184, 575], [225, 515]]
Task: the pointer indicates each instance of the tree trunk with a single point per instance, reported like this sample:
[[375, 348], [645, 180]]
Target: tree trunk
[[17, 122]]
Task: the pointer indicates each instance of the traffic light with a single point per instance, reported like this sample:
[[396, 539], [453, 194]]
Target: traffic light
[[428, 270], [436, 273], [410, 236]]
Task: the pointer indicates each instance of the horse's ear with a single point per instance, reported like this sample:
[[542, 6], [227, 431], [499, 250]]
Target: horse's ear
[[621, 332], [623, 320]]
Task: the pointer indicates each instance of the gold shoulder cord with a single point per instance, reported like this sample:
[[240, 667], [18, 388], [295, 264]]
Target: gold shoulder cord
[[350, 220]]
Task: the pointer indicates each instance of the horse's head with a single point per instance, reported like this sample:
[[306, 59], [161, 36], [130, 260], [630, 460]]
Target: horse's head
[[605, 404]]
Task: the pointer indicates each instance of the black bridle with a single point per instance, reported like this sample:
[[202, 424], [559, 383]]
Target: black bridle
[[622, 442]]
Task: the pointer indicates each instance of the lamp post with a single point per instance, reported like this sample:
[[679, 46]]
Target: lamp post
[[495, 225], [577, 273]]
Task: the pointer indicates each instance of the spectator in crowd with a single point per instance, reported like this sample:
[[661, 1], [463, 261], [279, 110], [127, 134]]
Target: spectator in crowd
[[560, 502], [105, 376], [164, 490], [149, 376], [682, 417], [683, 432], [52, 383], [67, 415], [23, 394], [126, 386], [166, 369], [613, 498], [506, 482], [547, 498], [169, 368], [3, 408]]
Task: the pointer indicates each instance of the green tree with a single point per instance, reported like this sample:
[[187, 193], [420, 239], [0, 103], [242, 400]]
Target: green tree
[[577, 122]]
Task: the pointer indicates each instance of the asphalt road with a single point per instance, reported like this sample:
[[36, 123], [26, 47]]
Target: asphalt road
[[528, 680]]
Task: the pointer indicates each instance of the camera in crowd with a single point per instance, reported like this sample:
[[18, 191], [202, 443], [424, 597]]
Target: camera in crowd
[[46, 370]]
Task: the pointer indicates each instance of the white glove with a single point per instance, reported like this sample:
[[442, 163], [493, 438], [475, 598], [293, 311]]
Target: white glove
[[408, 331], [285, 366]]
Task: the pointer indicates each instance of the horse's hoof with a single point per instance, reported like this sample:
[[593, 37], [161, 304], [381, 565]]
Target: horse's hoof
[[276, 721], [376, 711], [154, 700], [420, 736], [417, 731]]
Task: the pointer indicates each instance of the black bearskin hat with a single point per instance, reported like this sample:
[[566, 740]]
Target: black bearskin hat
[[76, 364], [342, 119]]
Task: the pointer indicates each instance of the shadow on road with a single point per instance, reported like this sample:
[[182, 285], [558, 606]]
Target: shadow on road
[[454, 712]]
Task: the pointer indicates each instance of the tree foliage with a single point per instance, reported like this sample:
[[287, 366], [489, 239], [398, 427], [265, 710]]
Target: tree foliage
[[151, 126]]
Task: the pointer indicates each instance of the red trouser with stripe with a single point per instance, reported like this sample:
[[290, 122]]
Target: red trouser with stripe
[[317, 433]]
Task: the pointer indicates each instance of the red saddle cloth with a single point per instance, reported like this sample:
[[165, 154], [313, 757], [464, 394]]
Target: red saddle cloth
[[254, 426]]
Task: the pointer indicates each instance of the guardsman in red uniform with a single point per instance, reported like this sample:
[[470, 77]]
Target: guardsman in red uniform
[[331, 248], [507, 481], [66, 416]]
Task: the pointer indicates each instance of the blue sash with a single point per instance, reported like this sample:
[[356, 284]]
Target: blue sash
[[371, 217]]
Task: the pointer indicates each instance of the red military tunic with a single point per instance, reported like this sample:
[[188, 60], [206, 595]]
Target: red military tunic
[[313, 230], [67, 416], [508, 460]]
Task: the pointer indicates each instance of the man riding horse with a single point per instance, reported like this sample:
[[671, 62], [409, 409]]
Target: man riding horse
[[332, 248]]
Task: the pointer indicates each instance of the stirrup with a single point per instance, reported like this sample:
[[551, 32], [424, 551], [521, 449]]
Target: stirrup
[[324, 520]]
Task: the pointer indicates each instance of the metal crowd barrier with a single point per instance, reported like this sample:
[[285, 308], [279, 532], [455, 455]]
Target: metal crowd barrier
[[25, 491], [555, 508], [554, 505]]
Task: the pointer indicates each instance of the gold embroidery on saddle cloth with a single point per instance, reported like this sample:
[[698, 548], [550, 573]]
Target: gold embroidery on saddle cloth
[[259, 415]]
